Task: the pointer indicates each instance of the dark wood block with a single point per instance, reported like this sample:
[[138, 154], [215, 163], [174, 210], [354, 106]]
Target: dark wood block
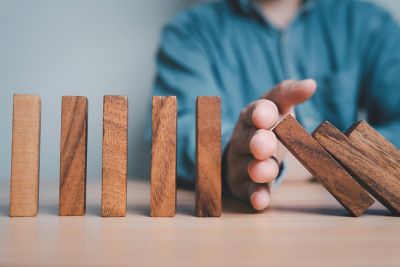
[[324, 168], [208, 156], [115, 156], [383, 185], [378, 147], [24, 190], [163, 157], [73, 152]]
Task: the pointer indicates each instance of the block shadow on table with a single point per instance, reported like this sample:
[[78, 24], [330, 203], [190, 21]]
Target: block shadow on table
[[329, 211], [138, 209], [4, 210], [229, 205], [52, 209]]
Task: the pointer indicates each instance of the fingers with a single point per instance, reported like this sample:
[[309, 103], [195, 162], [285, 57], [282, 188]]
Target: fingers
[[251, 135], [263, 171], [290, 93], [261, 114], [262, 144], [259, 196]]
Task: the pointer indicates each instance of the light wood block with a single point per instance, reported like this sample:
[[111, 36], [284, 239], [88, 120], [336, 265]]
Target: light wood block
[[208, 156], [384, 153], [24, 191], [115, 156], [73, 152], [322, 166], [163, 157], [383, 185]]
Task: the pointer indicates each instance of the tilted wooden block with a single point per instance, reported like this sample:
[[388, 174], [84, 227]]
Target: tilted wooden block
[[163, 157], [73, 151], [383, 185], [24, 194], [115, 156], [208, 156], [320, 164], [384, 153]]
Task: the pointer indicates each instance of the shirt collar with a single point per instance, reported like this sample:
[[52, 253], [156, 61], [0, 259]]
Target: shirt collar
[[248, 6]]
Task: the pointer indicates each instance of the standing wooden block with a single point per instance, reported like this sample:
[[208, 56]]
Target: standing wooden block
[[383, 185], [378, 147], [318, 161], [115, 156], [73, 151], [163, 157], [208, 156], [24, 192]]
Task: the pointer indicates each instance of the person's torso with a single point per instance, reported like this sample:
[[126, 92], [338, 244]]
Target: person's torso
[[248, 55]]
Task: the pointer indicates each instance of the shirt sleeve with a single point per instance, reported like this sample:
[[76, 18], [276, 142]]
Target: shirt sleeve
[[184, 70], [381, 90]]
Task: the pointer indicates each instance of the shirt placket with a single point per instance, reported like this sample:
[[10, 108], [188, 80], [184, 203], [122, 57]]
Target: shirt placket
[[288, 69], [304, 112]]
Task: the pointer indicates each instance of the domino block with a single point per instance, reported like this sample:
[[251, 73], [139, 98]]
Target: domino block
[[208, 156], [24, 191], [163, 157], [324, 168], [380, 149], [382, 184], [73, 152], [115, 156]]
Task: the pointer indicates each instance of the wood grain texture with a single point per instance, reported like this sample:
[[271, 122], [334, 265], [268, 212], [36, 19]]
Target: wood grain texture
[[378, 147], [163, 157], [208, 156], [383, 185], [24, 190], [318, 161], [115, 156], [73, 155]]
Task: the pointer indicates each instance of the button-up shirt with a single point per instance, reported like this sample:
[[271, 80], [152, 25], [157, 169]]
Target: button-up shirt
[[230, 49]]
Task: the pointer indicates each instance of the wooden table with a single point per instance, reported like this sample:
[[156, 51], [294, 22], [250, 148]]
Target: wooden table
[[304, 227]]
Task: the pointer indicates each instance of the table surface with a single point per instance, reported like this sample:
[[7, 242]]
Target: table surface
[[304, 227]]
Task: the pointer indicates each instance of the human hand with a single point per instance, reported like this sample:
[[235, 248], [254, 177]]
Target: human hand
[[254, 154]]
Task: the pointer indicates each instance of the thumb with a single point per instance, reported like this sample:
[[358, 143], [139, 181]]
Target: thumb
[[289, 93]]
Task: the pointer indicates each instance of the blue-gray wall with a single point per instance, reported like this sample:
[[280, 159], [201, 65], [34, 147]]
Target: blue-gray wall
[[82, 47]]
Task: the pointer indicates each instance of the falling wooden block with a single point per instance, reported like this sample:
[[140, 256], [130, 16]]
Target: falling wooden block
[[163, 157], [382, 184], [384, 153], [115, 156], [24, 193], [318, 161], [208, 156], [73, 151]]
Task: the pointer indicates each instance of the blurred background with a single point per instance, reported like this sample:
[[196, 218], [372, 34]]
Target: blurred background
[[84, 47]]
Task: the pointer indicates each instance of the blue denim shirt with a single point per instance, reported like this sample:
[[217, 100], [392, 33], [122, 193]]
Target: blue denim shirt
[[229, 49]]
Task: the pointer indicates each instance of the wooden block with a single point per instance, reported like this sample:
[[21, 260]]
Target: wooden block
[[163, 157], [383, 185], [24, 191], [73, 151], [318, 161], [378, 147], [208, 156], [115, 156]]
